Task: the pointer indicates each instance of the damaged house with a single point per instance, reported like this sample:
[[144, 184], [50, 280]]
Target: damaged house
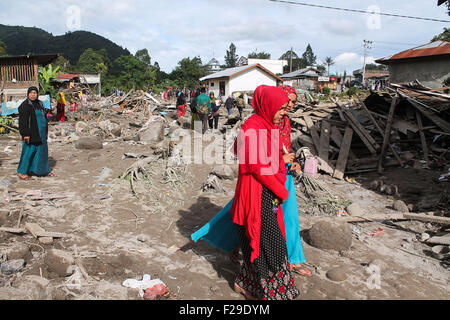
[[429, 64]]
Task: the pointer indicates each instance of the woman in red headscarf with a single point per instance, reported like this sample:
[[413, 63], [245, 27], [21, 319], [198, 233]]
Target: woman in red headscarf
[[290, 209], [256, 211]]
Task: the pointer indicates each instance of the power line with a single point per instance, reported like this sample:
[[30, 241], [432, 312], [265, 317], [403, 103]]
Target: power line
[[358, 11]]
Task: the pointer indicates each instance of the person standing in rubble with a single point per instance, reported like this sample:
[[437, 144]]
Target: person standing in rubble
[[213, 107], [214, 117], [84, 105], [33, 128], [229, 104], [193, 106], [61, 107], [203, 108], [240, 105], [181, 105]]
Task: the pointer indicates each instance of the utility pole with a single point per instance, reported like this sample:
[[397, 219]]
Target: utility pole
[[291, 58], [367, 47]]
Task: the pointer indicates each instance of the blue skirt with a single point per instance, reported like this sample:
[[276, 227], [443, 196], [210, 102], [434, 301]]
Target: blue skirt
[[34, 158], [221, 232]]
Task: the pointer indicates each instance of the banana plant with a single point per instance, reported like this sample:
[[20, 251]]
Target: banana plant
[[46, 76]]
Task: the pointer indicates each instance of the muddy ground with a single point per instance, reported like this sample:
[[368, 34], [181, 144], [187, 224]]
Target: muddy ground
[[117, 236]]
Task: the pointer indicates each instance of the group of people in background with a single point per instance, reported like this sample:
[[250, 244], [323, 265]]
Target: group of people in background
[[73, 106]]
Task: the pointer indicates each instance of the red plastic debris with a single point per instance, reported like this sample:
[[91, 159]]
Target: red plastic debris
[[154, 292]]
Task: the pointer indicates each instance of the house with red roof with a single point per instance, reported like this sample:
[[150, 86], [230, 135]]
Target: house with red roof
[[429, 64]]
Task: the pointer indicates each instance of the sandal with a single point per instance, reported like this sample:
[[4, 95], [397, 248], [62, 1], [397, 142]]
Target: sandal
[[25, 177], [51, 174], [246, 294], [302, 271]]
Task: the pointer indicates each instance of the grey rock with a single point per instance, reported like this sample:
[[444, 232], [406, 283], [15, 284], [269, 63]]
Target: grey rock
[[116, 131], [89, 143], [12, 266], [20, 252], [59, 261], [337, 274], [400, 206], [154, 131], [355, 210], [331, 235]]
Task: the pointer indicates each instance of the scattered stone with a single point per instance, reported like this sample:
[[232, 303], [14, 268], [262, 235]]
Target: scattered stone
[[81, 126], [89, 143], [424, 237], [153, 130], [12, 266], [355, 210], [46, 240], [142, 238], [331, 235], [400, 206], [337, 274], [224, 172], [116, 131], [59, 261], [20, 252]]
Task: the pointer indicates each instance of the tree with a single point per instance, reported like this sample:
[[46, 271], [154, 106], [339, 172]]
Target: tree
[[63, 64], [133, 73], [321, 69], [2, 49], [188, 72], [373, 66], [329, 62], [444, 36], [144, 56], [94, 61], [258, 55], [309, 57], [231, 57], [297, 62]]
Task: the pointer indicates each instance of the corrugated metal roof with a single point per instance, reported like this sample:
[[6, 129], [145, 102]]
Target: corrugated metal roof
[[67, 76], [228, 73], [430, 49], [300, 72]]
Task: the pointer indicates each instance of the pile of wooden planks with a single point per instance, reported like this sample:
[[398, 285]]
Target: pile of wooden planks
[[383, 130]]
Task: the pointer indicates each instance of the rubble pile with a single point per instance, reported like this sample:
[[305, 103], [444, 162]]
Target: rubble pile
[[403, 127]]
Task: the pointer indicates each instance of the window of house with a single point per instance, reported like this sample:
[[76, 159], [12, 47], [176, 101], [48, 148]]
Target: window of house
[[212, 84]]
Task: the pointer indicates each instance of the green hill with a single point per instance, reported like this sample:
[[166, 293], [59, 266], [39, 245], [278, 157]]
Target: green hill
[[23, 40]]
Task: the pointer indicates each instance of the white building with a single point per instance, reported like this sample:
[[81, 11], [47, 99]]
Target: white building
[[240, 79], [274, 66], [213, 66]]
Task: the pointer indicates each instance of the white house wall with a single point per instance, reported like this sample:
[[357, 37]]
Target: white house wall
[[250, 80]]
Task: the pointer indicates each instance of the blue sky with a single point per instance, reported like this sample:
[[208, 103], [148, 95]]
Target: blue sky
[[175, 29]]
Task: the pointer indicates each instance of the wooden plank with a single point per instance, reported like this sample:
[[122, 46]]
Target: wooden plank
[[337, 137], [427, 218], [375, 122], [422, 137], [387, 134], [13, 230], [51, 234], [325, 148], [368, 218], [360, 127], [34, 229], [314, 133], [445, 240], [343, 154], [441, 123]]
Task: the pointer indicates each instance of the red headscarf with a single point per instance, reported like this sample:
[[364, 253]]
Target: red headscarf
[[285, 123], [260, 161]]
